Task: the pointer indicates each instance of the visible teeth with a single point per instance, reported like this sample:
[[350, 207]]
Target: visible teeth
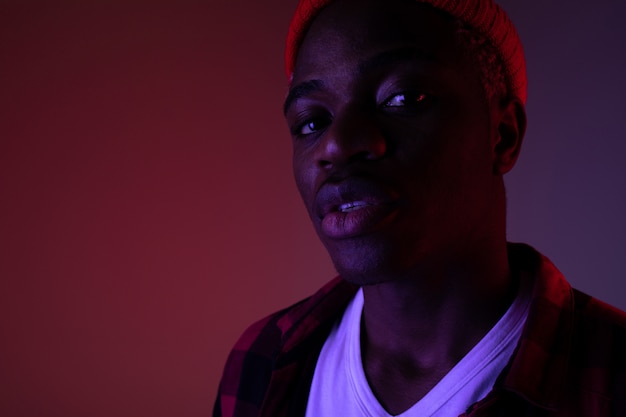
[[354, 205]]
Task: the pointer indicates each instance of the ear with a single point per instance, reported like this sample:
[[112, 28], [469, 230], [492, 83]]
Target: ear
[[511, 126]]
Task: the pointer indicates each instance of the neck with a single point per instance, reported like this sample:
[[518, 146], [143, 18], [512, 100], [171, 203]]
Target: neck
[[434, 318], [414, 331]]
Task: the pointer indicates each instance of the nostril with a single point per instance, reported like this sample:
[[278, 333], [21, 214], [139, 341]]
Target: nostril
[[346, 152], [362, 156], [377, 149]]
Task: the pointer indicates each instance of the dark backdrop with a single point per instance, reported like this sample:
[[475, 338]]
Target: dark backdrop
[[147, 209]]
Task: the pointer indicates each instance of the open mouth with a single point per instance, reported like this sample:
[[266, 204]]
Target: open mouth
[[355, 206], [352, 206]]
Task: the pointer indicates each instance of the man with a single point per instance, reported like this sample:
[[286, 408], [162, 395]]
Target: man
[[404, 116]]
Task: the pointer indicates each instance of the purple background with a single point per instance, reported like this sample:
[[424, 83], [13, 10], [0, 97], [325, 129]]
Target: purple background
[[147, 209]]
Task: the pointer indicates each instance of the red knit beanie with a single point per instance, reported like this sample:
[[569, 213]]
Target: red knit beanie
[[484, 16]]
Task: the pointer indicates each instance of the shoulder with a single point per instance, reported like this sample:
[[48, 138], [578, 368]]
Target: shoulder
[[572, 357], [270, 334], [599, 330], [254, 357], [598, 353], [592, 309]]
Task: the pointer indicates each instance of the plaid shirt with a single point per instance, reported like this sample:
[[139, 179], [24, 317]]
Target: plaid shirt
[[570, 360]]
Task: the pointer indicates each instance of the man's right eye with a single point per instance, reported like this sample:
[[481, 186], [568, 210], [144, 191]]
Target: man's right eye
[[311, 126]]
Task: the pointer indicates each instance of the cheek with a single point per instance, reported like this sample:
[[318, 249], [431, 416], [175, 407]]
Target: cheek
[[304, 176], [447, 165]]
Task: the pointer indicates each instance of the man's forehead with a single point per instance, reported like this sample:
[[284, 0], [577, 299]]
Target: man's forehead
[[483, 16], [374, 37]]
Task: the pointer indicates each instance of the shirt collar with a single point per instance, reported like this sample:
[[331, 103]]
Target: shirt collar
[[538, 369], [306, 318]]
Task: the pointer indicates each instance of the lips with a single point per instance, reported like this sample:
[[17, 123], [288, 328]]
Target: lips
[[353, 207]]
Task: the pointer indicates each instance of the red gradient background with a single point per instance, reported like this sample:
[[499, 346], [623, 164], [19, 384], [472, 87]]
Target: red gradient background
[[147, 209]]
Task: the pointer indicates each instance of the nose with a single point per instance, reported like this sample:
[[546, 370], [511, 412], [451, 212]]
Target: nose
[[351, 137]]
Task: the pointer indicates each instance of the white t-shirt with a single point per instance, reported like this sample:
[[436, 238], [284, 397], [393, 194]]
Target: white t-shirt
[[340, 387]]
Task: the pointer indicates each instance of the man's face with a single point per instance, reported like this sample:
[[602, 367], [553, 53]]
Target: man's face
[[392, 140]]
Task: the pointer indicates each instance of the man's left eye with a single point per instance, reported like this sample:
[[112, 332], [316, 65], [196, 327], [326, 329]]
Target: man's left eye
[[406, 100]]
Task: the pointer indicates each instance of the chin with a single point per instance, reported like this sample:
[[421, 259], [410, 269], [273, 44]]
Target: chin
[[371, 260], [365, 264]]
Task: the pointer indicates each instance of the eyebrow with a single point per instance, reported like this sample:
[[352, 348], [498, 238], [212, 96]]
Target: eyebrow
[[384, 59], [301, 90]]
